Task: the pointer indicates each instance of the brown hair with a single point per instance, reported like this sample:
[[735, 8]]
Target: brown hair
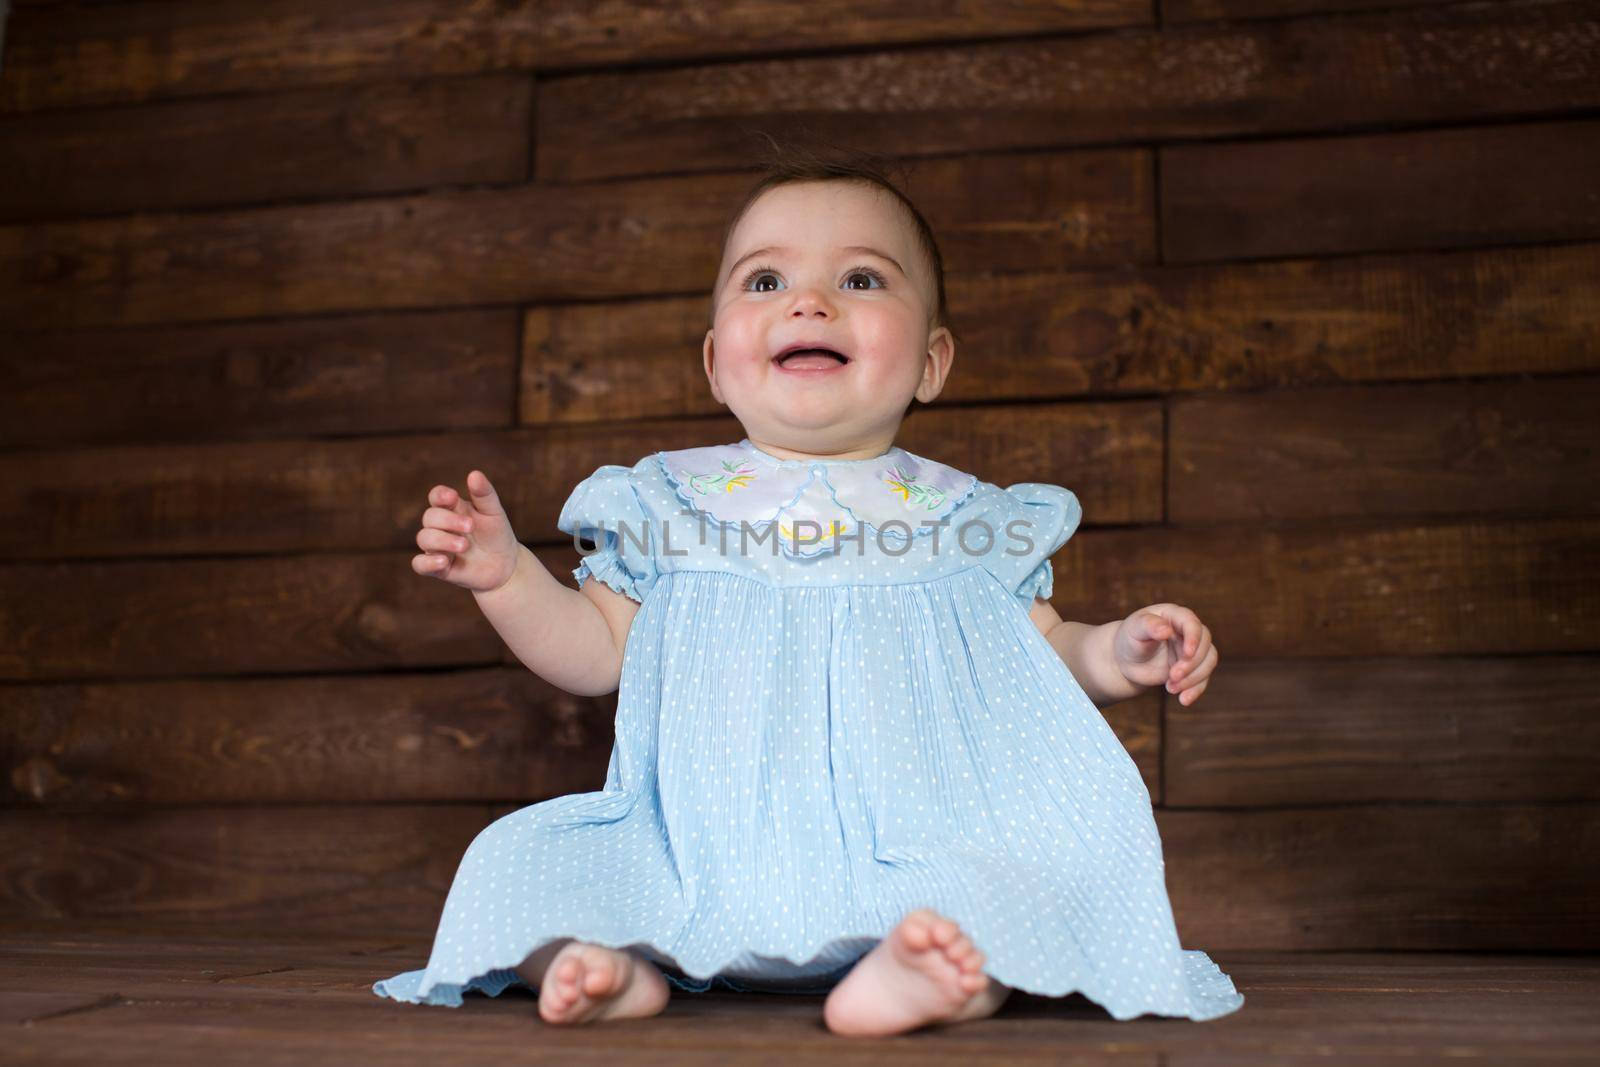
[[790, 161]]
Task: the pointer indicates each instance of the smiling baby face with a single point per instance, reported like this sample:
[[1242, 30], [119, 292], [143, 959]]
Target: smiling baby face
[[824, 265]]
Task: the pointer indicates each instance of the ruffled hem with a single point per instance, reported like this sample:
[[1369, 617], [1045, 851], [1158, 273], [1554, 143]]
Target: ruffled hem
[[1211, 992], [606, 566], [893, 537]]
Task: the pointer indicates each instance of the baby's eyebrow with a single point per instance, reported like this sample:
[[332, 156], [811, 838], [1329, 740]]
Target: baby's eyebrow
[[868, 249]]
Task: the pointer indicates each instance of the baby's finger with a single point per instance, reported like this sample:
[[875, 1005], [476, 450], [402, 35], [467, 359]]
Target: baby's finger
[[431, 540], [430, 563], [1189, 696], [1200, 673], [1151, 626], [447, 497], [1202, 646], [445, 519], [1185, 629], [484, 498]]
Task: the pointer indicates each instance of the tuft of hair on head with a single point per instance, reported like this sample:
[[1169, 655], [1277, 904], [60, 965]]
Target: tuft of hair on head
[[806, 158]]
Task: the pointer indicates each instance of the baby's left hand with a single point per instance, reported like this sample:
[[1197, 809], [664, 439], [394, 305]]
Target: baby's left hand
[[1166, 643]]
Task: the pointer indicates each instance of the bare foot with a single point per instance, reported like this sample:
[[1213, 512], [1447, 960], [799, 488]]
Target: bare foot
[[586, 983], [925, 972]]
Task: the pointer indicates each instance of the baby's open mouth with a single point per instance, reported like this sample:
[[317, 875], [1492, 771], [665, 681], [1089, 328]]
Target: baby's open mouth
[[810, 357]]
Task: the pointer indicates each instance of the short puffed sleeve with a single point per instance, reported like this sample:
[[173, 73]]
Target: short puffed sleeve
[[605, 512], [1035, 522]]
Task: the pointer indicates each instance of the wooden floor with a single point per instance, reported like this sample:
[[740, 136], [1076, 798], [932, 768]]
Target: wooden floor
[[104, 994]]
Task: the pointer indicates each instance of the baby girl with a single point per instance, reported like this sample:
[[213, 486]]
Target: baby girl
[[858, 753]]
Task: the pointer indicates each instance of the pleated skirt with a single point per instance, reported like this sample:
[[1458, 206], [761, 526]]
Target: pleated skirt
[[795, 769]]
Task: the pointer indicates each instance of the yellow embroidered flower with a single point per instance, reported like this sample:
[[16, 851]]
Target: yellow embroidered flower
[[733, 476], [913, 492], [816, 538]]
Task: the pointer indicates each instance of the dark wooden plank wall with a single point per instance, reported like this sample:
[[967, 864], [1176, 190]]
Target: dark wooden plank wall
[[1300, 296]]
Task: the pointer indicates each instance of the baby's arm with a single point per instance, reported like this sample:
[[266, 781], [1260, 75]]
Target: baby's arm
[[1086, 650], [1163, 644], [572, 638]]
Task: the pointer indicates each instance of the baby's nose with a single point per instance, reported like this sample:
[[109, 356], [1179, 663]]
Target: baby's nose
[[810, 303]]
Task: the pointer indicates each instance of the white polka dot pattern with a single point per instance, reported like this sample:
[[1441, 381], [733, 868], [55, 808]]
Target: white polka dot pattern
[[808, 749]]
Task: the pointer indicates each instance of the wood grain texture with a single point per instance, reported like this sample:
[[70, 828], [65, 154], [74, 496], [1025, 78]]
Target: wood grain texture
[[1298, 296], [1397, 730], [1453, 63], [466, 735], [370, 492], [1356, 587], [150, 989], [1491, 448], [360, 141], [1103, 333], [290, 378], [1021, 337], [531, 243], [1178, 12], [1393, 876], [149, 49], [316, 612], [1451, 188], [1352, 589], [1330, 878], [483, 734]]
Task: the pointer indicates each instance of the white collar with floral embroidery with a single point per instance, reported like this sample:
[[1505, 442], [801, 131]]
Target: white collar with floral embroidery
[[739, 483]]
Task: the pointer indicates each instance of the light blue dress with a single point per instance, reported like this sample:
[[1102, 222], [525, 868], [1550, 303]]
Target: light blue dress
[[833, 710]]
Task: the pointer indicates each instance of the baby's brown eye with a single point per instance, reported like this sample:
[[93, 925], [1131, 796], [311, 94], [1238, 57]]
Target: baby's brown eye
[[757, 286], [860, 274]]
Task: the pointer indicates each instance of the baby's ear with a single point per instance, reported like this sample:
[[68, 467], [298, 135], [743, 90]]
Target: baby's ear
[[941, 353], [708, 359]]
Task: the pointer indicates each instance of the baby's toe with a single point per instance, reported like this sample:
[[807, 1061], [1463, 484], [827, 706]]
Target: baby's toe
[[599, 975], [916, 930]]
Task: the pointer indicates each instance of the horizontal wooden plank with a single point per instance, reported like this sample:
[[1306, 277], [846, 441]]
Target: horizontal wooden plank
[[1180, 12], [360, 869], [1351, 588], [358, 141], [1394, 877], [1021, 337], [396, 372], [1527, 446], [1445, 730], [161, 48], [371, 492], [1333, 878], [222, 996], [438, 736], [455, 735], [694, 1029], [207, 617], [1155, 329], [1452, 188], [1462, 62], [1051, 211], [1355, 589]]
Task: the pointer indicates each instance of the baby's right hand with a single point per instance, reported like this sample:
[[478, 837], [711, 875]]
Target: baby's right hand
[[467, 542]]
